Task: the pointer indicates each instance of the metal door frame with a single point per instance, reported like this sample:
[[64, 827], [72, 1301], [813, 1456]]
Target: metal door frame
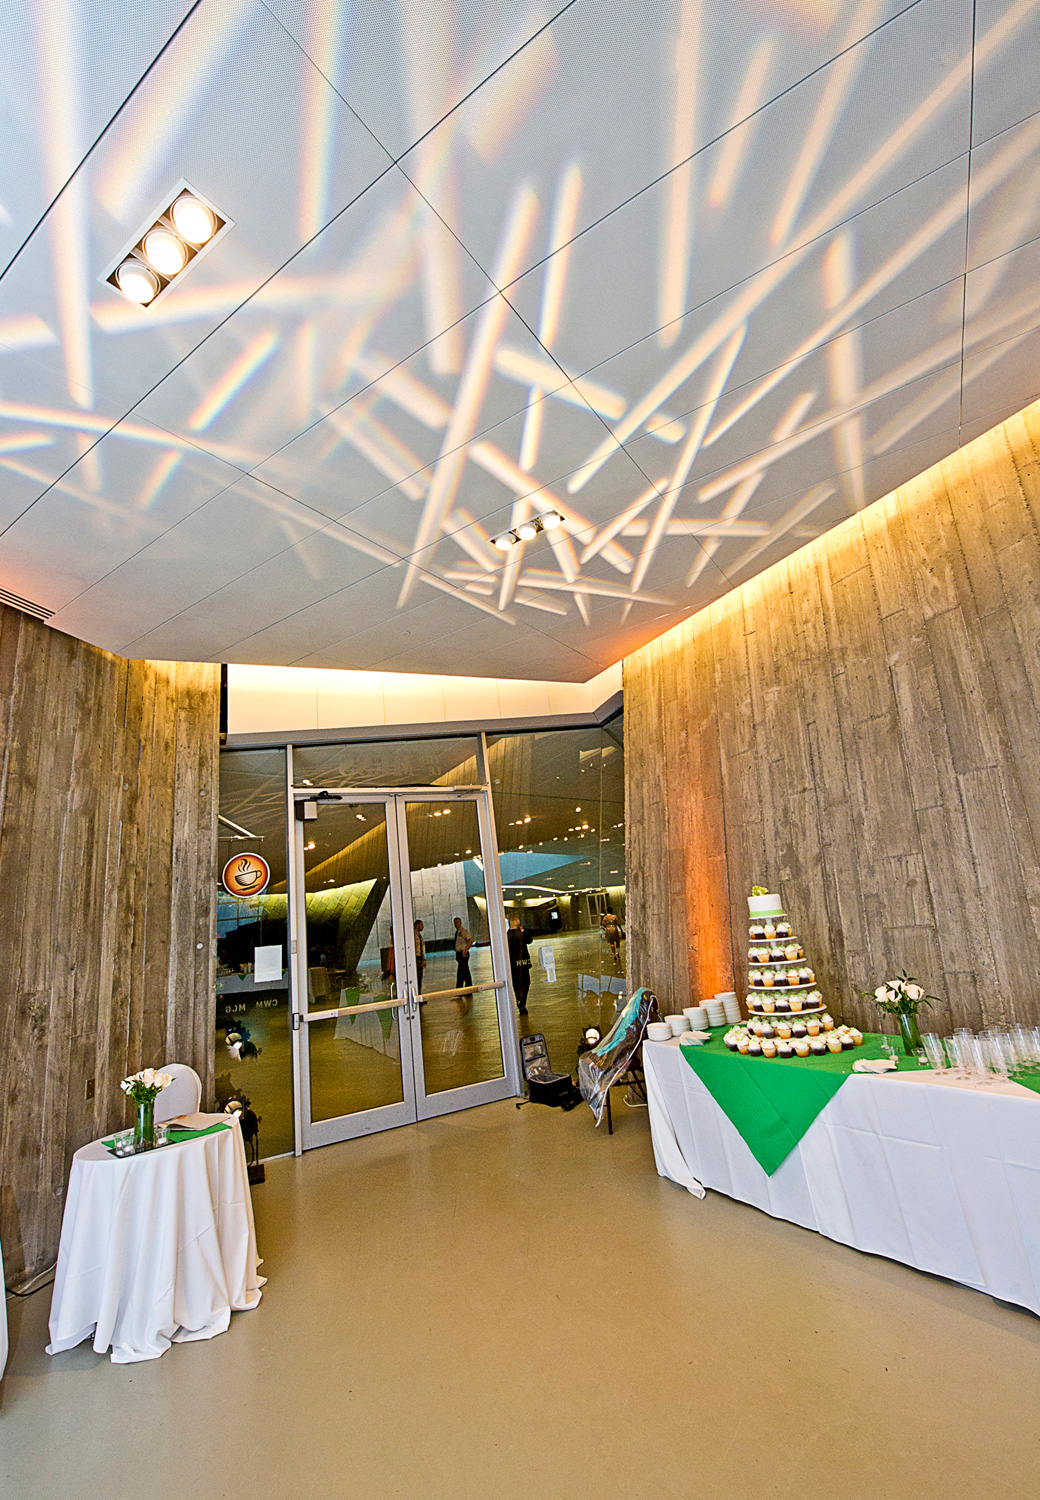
[[416, 1104]]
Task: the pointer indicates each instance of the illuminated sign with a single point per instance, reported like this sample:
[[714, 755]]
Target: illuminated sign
[[246, 875]]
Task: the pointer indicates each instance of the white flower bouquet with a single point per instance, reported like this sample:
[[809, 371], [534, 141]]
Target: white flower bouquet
[[147, 1084], [902, 997], [144, 1088]]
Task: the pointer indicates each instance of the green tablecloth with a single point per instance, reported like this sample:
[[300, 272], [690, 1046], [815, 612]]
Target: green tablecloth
[[772, 1101]]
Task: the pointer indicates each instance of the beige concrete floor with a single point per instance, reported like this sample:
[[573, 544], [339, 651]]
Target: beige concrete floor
[[508, 1303]]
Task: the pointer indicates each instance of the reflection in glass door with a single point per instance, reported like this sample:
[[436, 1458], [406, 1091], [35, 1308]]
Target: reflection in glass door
[[401, 1001], [460, 1031], [356, 1059]]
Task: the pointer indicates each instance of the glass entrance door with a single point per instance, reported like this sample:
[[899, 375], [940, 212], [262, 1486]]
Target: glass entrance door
[[401, 1009]]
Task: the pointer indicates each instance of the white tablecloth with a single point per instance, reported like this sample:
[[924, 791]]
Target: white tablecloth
[[155, 1248], [944, 1179]]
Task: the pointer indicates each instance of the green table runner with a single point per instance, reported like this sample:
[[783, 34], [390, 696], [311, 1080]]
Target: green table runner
[[772, 1101]]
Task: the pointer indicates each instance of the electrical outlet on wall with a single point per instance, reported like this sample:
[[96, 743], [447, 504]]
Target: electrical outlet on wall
[[90, 1088]]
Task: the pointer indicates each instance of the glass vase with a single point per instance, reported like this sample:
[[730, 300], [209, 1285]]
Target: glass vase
[[908, 1031], [144, 1125]]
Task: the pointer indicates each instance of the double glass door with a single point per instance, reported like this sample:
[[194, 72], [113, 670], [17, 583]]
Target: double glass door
[[401, 1006]]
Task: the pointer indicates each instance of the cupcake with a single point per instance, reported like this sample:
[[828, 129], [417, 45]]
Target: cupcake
[[743, 1045], [826, 1020], [783, 928], [791, 952], [754, 1048], [796, 1002], [768, 1005], [814, 998], [766, 1032], [768, 1048], [776, 953], [805, 976], [812, 1026], [857, 1036], [792, 976], [758, 932], [783, 1030], [784, 1049], [783, 1005], [847, 1043], [754, 1005], [833, 1043], [801, 1047], [754, 979], [731, 1041], [770, 931], [768, 978], [798, 1029]]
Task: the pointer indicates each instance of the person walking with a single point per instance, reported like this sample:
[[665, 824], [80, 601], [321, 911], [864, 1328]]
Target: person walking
[[463, 943], [420, 953], [613, 932], [519, 962]]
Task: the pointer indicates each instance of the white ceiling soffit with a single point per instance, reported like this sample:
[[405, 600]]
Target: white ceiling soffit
[[704, 275]]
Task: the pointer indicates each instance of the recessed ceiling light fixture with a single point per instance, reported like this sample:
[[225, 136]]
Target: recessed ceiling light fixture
[[527, 530], [182, 230]]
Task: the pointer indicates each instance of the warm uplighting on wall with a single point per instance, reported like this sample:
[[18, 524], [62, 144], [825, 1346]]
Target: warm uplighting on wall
[[178, 234]]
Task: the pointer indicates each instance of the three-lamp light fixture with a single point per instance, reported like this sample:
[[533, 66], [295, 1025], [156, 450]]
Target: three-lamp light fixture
[[177, 236], [527, 530]]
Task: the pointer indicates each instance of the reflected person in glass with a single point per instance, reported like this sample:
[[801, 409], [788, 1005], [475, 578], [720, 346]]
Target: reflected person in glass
[[463, 943], [420, 954], [519, 962]]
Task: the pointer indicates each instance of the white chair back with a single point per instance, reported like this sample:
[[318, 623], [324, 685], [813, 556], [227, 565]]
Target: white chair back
[[181, 1097]]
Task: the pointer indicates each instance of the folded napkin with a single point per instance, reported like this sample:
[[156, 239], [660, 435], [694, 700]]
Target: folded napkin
[[880, 1065], [693, 1038]]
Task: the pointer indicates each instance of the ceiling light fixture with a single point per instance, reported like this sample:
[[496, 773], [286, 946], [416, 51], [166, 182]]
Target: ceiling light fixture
[[165, 252], [527, 530], [136, 281], [192, 220], [185, 227]]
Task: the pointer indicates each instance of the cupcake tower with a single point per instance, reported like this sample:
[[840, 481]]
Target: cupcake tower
[[792, 1036], [780, 982]]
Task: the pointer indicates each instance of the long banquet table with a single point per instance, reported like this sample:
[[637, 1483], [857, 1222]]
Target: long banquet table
[[943, 1178], [156, 1248]]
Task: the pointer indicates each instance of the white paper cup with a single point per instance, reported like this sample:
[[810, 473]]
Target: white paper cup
[[658, 1031]]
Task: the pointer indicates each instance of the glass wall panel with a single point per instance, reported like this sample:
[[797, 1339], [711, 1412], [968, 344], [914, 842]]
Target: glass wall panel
[[461, 1041], [450, 762], [253, 1060], [559, 801]]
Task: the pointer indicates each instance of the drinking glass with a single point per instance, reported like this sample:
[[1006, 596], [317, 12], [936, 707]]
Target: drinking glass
[[933, 1049], [161, 1134], [952, 1045], [890, 1044], [123, 1142]]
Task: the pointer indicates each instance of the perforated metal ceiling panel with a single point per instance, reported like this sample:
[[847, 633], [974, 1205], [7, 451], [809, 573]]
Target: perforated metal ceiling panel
[[704, 276]]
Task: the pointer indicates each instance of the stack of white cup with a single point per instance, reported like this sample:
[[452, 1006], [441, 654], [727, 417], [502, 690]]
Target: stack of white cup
[[716, 1012], [731, 1006]]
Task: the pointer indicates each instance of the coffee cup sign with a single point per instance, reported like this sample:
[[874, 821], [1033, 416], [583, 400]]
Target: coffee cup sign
[[246, 875]]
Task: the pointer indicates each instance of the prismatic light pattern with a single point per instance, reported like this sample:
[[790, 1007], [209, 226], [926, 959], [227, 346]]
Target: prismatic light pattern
[[701, 279]]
